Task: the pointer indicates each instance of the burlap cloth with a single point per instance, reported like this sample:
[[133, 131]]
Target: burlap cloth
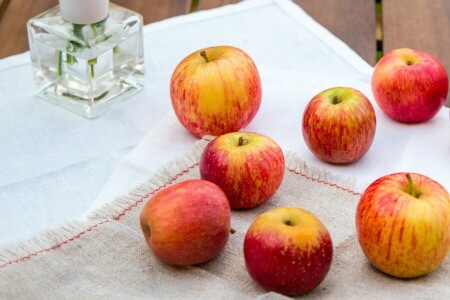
[[107, 256]]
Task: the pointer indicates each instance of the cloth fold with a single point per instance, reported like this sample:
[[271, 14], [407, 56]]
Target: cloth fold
[[107, 256], [54, 163]]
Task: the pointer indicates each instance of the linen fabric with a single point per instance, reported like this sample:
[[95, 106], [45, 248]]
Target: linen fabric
[[107, 256]]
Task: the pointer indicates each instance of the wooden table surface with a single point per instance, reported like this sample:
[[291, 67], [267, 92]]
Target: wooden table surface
[[417, 24]]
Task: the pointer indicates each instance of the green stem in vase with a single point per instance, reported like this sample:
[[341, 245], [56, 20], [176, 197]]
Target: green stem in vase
[[91, 64], [80, 43], [59, 72], [78, 32], [99, 31], [71, 60]]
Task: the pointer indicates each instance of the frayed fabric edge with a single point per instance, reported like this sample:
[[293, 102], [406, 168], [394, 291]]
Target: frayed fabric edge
[[56, 237], [113, 211], [321, 175]]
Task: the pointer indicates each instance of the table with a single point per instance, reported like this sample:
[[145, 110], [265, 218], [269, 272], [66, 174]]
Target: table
[[401, 23], [358, 31]]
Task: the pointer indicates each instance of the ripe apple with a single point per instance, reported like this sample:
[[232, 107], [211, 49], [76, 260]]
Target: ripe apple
[[403, 224], [288, 250], [409, 85], [248, 167], [187, 223], [215, 90], [339, 125]]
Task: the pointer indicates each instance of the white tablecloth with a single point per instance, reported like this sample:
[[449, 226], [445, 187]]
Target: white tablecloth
[[57, 166]]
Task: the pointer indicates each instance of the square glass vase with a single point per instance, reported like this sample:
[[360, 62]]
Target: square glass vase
[[87, 68]]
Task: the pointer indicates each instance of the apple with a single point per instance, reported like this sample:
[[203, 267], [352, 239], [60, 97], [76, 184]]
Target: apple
[[409, 85], [339, 125], [288, 250], [247, 166], [403, 224], [187, 223], [215, 90]]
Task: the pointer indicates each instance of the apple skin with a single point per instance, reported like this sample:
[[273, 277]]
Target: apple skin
[[288, 259], [217, 96], [409, 85], [400, 234], [187, 223], [342, 132], [248, 167]]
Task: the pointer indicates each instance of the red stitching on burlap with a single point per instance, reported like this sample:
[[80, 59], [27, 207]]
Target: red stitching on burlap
[[80, 234], [136, 203], [325, 182]]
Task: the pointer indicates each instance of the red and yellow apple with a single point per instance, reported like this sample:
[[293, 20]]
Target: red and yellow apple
[[187, 223], [339, 125], [248, 167], [409, 85], [288, 250], [403, 224], [215, 90]]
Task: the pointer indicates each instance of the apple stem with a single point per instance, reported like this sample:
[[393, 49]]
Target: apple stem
[[242, 141], [232, 231], [409, 63], [335, 100], [412, 188], [288, 223], [203, 54]]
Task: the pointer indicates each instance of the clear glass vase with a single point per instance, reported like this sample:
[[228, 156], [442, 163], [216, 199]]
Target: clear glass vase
[[87, 68]]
